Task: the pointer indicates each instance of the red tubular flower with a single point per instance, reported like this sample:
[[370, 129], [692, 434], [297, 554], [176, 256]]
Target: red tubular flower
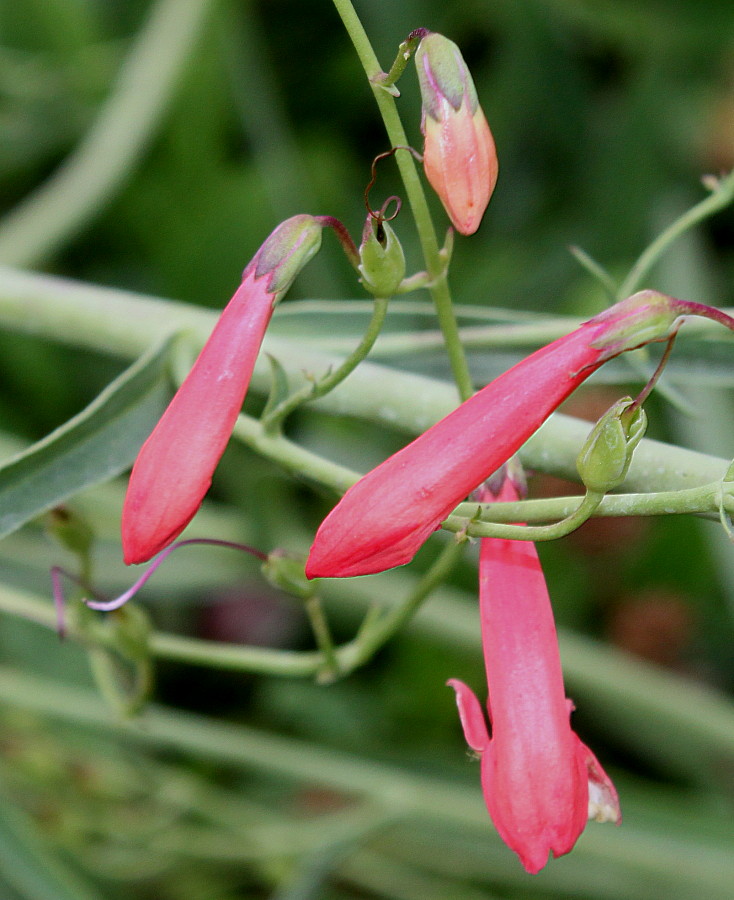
[[174, 468], [540, 782], [386, 516], [459, 158]]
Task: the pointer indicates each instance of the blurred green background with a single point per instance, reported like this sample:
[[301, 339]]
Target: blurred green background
[[606, 114]]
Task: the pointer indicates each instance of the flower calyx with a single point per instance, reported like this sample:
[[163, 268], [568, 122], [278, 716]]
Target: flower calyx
[[648, 317], [286, 251], [286, 571], [381, 257], [605, 458]]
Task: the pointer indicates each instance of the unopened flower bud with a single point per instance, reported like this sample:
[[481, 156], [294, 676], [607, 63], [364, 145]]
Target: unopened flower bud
[[381, 258], [286, 251], [607, 452], [286, 571], [175, 465], [459, 156]]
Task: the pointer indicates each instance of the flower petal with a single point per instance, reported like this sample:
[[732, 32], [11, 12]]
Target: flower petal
[[471, 715]]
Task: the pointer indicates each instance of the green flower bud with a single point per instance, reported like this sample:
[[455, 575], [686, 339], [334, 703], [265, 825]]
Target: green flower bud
[[381, 258], [286, 572], [607, 453]]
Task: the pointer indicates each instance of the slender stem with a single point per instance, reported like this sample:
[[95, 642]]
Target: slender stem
[[596, 270], [653, 698], [375, 635], [342, 234], [293, 457], [405, 51], [721, 196], [474, 528], [78, 190], [125, 324], [339, 661], [413, 307], [324, 640], [272, 421], [654, 378], [237, 657], [110, 605], [416, 197], [702, 500]]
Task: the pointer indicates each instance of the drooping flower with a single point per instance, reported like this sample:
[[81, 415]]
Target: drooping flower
[[386, 516], [541, 783], [174, 467], [459, 157]]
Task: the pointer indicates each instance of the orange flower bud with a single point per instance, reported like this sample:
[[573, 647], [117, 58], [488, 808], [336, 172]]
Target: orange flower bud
[[459, 157]]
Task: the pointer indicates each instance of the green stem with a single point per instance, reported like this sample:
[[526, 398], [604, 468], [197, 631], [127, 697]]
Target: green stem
[[87, 179], [471, 527], [656, 698], [326, 663], [721, 196], [377, 633], [596, 270], [324, 640], [292, 457], [274, 419], [416, 197], [124, 325], [702, 500], [405, 51]]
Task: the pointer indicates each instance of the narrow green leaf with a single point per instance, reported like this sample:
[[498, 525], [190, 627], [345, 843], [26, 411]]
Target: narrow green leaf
[[31, 867], [94, 446]]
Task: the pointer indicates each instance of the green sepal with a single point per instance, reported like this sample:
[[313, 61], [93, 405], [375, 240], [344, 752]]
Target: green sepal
[[286, 572], [443, 74], [286, 251], [607, 452], [643, 318], [381, 259]]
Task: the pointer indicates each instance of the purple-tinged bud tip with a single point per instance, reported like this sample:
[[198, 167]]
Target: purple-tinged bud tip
[[286, 251], [460, 159]]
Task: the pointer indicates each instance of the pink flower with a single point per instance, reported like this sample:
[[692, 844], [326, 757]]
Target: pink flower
[[174, 468], [386, 516], [459, 158], [540, 782]]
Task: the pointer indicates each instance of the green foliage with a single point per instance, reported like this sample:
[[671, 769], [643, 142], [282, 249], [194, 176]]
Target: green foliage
[[94, 446]]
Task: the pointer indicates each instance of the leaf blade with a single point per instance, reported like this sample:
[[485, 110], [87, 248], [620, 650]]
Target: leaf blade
[[95, 445]]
